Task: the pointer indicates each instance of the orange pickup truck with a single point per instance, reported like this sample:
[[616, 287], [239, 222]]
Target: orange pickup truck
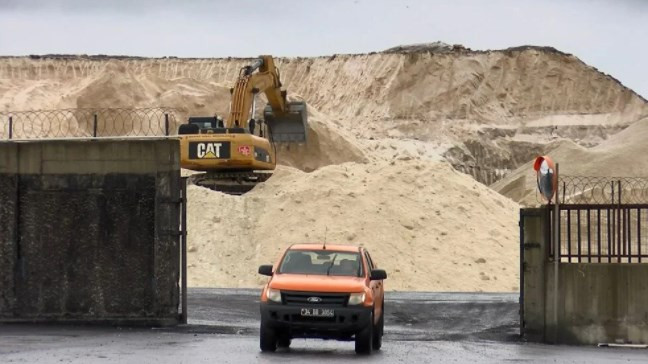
[[323, 291]]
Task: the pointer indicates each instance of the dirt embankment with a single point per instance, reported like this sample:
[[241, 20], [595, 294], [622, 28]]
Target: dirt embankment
[[622, 155], [431, 227], [385, 129], [488, 111]]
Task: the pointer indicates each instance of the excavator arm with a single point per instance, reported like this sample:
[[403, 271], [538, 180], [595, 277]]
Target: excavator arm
[[247, 86], [286, 120]]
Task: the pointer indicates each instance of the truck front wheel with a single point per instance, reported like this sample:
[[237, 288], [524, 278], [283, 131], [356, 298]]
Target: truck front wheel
[[378, 332], [267, 338], [364, 338], [283, 340]]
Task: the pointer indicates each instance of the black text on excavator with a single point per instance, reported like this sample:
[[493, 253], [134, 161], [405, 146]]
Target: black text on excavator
[[239, 152]]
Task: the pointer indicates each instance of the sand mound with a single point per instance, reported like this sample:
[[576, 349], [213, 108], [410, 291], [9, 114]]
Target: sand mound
[[431, 227], [420, 47], [491, 109], [382, 128], [620, 156], [324, 146]]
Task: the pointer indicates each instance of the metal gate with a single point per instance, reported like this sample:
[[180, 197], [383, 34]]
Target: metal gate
[[602, 220], [582, 262], [602, 233]]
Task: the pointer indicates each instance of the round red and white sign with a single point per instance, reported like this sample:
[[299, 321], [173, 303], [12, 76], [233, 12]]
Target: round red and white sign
[[244, 149]]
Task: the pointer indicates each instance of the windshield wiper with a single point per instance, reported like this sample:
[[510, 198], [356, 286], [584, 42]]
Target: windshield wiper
[[328, 270]]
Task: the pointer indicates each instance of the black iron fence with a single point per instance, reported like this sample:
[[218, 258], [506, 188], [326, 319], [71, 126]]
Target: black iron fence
[[601, 219], [88, 123], [602, 233]]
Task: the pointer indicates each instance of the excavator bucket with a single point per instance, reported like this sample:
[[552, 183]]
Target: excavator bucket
[[289, 127]]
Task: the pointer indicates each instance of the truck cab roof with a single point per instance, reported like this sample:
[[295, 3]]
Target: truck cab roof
[[321, 246]]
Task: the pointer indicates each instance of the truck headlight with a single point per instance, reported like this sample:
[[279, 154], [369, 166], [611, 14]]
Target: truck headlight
[[356, 298], [273, 295]]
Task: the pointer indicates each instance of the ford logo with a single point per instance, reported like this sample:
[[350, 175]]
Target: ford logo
[[314, 299]]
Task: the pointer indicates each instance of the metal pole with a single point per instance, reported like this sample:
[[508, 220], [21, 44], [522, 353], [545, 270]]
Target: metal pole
[[639, 234], [611, 226], [556, 254], [166, 124], [568, 235], [521, 299], [10, 127], [619, 226], [94, 132], [184, 249]]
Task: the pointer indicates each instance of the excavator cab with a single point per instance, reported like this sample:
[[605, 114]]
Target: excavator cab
[[202, 125], [289, 126]]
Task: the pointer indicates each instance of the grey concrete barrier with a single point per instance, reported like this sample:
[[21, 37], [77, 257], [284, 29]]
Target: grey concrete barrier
[[89, 230]]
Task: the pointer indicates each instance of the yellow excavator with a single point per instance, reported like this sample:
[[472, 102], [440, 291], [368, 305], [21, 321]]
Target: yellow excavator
[[239, 152]]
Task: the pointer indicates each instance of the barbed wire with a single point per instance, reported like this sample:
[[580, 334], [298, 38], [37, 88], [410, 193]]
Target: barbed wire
[[104, 122], [602, 190]]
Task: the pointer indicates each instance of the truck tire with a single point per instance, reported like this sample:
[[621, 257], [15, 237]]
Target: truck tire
[[284, 340], [364, 339], [378, 332], [267, 338]]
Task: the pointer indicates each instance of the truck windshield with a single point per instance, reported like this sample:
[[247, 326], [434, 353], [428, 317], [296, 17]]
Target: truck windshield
[[322, 262]]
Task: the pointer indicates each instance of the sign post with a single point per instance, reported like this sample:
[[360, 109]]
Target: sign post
[[547, 179]]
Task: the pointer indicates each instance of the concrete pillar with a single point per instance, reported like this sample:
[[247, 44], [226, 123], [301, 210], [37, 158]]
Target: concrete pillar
[[534, 226]]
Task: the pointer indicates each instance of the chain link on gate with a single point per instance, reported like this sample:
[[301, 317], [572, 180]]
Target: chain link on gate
[[88, 123]]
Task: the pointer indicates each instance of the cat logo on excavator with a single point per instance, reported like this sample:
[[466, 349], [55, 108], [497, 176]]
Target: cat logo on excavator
[[208, 150]]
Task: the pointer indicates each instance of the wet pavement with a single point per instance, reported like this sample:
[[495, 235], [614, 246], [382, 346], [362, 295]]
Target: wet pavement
[[223, 328], [408, 315]]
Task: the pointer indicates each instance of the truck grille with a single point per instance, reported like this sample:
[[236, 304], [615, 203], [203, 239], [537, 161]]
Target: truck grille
[[325, 299]]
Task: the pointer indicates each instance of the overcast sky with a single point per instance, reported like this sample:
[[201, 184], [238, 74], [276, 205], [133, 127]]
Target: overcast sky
[[611, 35]]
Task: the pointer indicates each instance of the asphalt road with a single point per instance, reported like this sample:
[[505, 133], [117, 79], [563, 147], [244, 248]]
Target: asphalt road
[[408, 315], [223, 328]]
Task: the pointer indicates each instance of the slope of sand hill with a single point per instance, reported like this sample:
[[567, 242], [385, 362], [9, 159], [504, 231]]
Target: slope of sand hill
[[491, 110], [429, 226], [383, 127], [623, 155]]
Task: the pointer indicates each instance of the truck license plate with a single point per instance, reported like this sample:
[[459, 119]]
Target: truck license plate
[[317, 312]]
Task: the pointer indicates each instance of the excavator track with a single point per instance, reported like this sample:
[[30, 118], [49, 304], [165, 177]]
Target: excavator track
[[232, 183]]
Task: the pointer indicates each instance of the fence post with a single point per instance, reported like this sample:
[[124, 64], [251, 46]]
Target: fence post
[[620, 243], [94, 129], [557, 244], [183, 248], [612, 247], [10, 127], [166, 124]]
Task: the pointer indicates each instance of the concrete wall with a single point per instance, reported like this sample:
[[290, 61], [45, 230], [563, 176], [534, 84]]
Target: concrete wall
[[601, 303], [597, 302], [89, 230]]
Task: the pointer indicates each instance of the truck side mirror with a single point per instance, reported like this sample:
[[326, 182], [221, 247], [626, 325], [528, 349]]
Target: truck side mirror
[[266, 270], [378, 274]]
